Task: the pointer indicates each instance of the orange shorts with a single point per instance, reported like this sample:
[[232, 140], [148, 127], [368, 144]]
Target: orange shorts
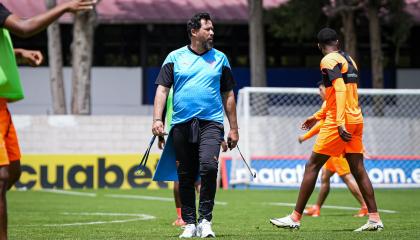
[[329, 142], [338, 165], [9, 146]]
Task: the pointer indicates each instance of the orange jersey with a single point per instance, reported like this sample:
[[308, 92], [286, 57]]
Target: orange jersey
[[328, 141], [342, 104], [320, 115]]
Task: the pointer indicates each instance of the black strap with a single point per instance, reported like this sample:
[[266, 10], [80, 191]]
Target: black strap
[[143, 161], [347, 57]]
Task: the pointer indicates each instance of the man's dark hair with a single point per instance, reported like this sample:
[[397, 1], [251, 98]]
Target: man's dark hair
[[327, 36], [195, 22]]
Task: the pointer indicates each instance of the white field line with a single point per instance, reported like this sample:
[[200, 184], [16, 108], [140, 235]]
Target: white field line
[[327, 206], [137, 217], [21, 225], [69, 192], [164, 199]]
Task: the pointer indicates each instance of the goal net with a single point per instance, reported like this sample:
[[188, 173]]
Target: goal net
[[270, 119]]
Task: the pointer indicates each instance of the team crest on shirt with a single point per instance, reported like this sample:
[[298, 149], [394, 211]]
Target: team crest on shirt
[[211, 62]]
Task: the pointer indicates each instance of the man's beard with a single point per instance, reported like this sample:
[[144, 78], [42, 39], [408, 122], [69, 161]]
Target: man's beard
[[208, 45]]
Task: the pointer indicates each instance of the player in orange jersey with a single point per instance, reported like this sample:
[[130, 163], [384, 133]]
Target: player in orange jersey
[[341, 132], [337, 165]]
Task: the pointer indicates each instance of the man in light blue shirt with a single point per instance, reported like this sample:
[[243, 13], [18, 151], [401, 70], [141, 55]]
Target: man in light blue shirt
[[203, 85]]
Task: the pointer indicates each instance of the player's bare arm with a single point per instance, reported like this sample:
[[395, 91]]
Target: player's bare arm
[[301, 139], [311, 132], [29, 57], [158, 128], [230, 108], [309, 123], [28, 27], [321, 114]]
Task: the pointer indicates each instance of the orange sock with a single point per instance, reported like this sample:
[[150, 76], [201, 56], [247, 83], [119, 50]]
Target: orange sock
[[295, 216], [316, 207], [178, 211], [374, 217]]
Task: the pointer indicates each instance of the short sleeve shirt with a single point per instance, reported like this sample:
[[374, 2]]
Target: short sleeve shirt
[[198, 81]]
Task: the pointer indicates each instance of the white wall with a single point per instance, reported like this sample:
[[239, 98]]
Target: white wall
[[131, 134], [115, 90], [85, 134]]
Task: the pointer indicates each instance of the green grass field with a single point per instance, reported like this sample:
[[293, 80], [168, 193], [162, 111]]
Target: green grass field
[[46, 215]]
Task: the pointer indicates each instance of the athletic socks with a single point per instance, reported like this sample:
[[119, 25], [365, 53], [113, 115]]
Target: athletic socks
[[295, 216], [374, 217], [178, 212], [315, 207]]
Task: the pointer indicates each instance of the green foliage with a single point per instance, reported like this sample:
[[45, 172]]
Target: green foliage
[[297, 20], [398, 21]]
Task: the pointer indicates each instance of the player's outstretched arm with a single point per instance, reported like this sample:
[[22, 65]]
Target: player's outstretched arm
[[29, 57], [28, 27], [312, 132], [322, 112], [312, 120], [230, 109]]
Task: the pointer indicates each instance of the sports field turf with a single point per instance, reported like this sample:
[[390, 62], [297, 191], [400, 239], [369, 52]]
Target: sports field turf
[[47, 215]]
